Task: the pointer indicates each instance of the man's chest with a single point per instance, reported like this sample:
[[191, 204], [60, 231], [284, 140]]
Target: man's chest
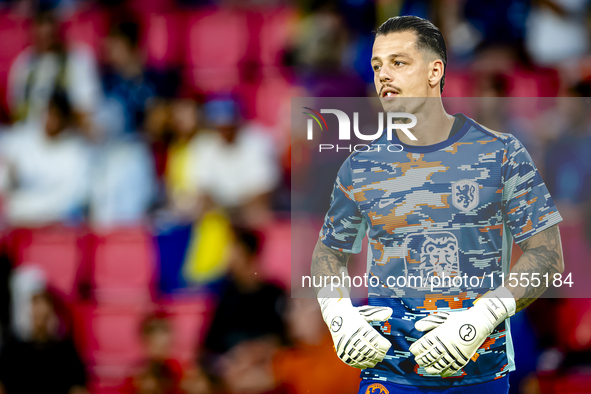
[[437, 190]]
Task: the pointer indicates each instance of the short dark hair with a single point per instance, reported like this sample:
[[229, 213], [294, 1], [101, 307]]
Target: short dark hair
[[128, 30], [250, 239], [429, 36], [60, 101]]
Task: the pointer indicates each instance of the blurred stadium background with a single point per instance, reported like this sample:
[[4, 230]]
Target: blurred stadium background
[[145, 184]]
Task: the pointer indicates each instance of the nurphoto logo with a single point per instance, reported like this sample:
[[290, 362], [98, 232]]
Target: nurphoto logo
[[345, 129]]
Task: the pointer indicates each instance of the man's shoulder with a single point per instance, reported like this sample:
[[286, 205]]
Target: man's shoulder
[[478, 127]]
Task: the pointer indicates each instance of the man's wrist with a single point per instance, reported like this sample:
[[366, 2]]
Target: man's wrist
[[333, 292]]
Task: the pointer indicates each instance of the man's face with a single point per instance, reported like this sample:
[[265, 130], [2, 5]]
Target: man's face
[[54, 123], [44, 35], [118, 52], [401, 70]]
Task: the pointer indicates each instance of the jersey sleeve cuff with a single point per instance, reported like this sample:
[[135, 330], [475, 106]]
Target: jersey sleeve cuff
[[547, 221]]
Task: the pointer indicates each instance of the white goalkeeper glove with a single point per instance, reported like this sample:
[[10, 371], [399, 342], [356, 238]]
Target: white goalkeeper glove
[[356, 342], [452, 338]]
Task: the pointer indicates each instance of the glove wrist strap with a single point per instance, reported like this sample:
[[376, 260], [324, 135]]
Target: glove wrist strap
[[329, 298], [499, 305]]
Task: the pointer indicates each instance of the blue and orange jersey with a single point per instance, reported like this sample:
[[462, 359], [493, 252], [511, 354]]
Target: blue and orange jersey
[[450, 210]]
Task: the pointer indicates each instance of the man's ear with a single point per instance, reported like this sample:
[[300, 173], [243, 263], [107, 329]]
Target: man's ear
[[436, 69]]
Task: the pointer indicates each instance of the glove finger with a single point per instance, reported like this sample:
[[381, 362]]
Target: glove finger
[[432, 370], [354, 350], [374, 354], [432, 321], [367, 352], [379, 344], [427, 359], [375, 313], [453, 368], [442, 364], [382, 344], [377, 358], [372, 363], [424, 344], [361, 350], [376, 340], [367, 364], [366, 360], [450, 371], [357, 358], [417, 348]]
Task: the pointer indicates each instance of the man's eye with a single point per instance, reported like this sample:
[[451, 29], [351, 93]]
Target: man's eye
[[397, 63], [376, 67]]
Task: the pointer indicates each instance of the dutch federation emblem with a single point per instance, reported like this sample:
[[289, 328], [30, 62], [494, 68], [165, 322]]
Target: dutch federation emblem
[[464, 194]]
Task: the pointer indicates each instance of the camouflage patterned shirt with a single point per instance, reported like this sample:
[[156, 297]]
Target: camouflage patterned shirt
[[449, 210]]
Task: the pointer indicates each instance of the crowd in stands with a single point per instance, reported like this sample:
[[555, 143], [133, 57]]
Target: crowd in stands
[[145, 181]]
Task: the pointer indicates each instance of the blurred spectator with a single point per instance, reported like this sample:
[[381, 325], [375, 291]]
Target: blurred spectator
[[49, 65], [5, 299], [235, 166], [500, 22], [566, 162], [180, 165], [123, 184], [42, 358], [557, 30], [124, 80], [310, 366], [49, 183], [319, 53], [124, 179], [160, 372], [203, 231], [247, 326]]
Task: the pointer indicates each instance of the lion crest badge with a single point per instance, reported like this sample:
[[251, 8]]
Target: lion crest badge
[[464, 194]]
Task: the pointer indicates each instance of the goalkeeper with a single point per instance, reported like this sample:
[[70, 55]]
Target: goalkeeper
[[449, 204]]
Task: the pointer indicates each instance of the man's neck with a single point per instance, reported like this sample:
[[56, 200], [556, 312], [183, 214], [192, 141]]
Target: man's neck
[[433, 125]]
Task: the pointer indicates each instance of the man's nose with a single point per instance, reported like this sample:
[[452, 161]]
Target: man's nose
[[385, 75]]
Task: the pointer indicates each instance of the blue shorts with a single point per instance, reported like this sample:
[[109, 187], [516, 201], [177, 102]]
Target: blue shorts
[[497, 386]]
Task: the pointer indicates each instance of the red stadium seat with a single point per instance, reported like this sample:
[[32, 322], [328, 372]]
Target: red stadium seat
[[457, 84], [109, 337], [163, 37], [272, 96], [110, 342], [123, 266], [139, 6], [104, 390], [14, 38], [55, 250], [566, 382], [268, 102], [275, 33], [217, 42], [539, 82], [190, 319], [88, 27], [276, 253]]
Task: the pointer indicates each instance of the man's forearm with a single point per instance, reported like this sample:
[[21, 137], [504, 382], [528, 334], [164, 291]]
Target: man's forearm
[[542, 255], [326, 263]]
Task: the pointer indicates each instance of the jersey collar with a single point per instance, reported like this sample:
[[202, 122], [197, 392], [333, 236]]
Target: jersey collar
[[440, 145]]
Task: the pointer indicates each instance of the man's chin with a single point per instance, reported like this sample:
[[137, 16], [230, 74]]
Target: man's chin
[[402, 104], [393, 104]]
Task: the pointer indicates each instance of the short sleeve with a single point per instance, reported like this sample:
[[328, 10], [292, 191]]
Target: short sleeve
[[344, 226], [528, 207]]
